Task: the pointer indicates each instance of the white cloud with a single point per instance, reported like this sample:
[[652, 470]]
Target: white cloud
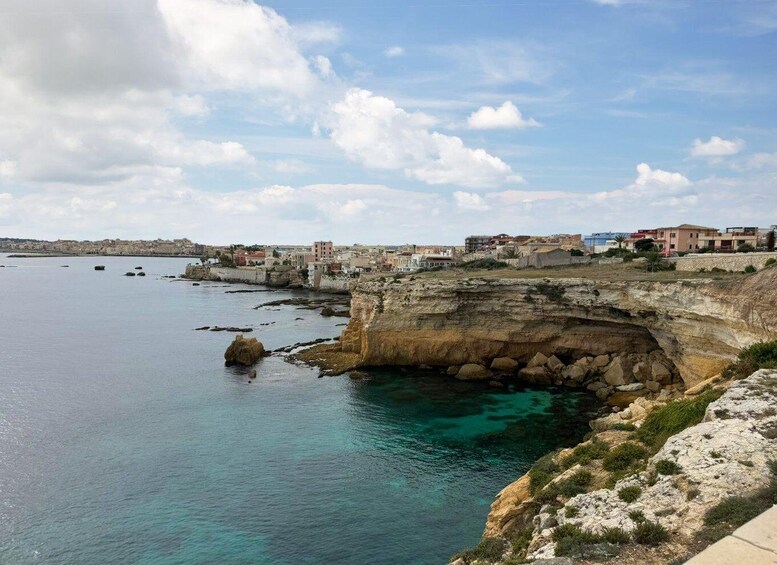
[[716, 147], [7, 169], [608, 2], [762, 160], [324, 66], [190, 106], [395, 51], [507, 116], [470, 201], [375, 132], [650, 187], [237, 44]]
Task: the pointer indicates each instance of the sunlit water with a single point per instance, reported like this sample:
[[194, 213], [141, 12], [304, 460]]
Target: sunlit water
[[124, 439]]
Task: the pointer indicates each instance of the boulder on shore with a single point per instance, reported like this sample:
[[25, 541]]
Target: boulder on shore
[[244, 351], [473, 372], [537, 361], [504, 364]]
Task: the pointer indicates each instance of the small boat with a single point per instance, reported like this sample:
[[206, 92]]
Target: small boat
[[141, 274], [99, 267], [129, 274], [138, 268]]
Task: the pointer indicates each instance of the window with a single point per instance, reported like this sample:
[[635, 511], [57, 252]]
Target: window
[[672, 234], [671, 246]]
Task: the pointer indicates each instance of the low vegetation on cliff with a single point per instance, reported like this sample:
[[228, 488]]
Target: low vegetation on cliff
[[691, 471]]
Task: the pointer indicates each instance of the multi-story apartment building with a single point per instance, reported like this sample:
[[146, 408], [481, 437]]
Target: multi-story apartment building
[[685, 237], [323, 251]]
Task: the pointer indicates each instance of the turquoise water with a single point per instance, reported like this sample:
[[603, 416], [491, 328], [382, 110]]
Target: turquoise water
[[124, 439]]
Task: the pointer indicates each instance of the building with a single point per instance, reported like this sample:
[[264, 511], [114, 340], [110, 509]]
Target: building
[[602, 241], [323, 251], [685, 237], [731, 239], [477, 243]]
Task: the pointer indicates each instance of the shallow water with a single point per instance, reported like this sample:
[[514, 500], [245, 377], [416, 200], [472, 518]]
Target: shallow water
[[124, 439]]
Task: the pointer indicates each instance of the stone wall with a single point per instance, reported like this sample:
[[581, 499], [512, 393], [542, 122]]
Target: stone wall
[[725, 261]]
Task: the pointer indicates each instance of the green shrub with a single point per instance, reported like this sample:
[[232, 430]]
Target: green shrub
[[650, 533], [745, 248], [585, 453], [674, 417], [542, 472], [488, 264], [623, 427], [618, 536], [750, 269], [736, 510], [576, 484], [489, 549], [521, 541], [637, 516], [571, 512], [667, 467], [750, 359], [623, 456], [629, 494], [770, 261]]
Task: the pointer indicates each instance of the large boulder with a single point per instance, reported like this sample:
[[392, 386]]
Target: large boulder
[[660, 372], [554, 363], [616, 374], [538, 360], [536, 375], [504, 364], [574, 372], [244, 351], [473, 372]]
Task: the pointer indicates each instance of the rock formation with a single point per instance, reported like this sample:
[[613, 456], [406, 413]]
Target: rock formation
[[244, 351], [692, 327], [727, 454]]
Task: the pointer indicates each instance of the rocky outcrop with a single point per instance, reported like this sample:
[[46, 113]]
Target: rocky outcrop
[[244, 351], [694, 327], [726, 455]]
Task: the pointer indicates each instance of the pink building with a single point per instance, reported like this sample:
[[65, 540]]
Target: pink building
[[323, 251]]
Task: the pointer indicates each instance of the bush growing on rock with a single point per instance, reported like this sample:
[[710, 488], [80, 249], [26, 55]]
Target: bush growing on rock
[[585, 453], [674, 418], [624, 456], [488, 264], [489, 549], [542, 472], [771, 261], [629, 494], [667, 467], [650, 533], [576, 484], [750, 359]]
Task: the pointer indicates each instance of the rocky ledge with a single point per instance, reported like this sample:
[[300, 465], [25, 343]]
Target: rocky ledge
[[696, 327], [697, 482]]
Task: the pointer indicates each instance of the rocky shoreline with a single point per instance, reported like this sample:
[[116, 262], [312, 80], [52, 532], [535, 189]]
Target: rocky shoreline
[[639, 346]]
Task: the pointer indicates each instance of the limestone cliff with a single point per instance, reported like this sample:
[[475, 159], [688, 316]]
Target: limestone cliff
[[699, 325]]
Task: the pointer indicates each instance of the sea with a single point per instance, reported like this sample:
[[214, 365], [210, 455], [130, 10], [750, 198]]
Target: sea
[[125, 439]]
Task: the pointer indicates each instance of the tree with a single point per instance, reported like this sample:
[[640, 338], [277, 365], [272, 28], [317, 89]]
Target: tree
[[225, 260], [644, 245], [204, 259], [619, 239], [770, 241], [745, 248]]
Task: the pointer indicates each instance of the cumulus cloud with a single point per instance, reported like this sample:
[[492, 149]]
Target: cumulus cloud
[[716, 147], [236, 44], [395, 51], [653, 186], [470, 201], [372, 130], [507, 116]]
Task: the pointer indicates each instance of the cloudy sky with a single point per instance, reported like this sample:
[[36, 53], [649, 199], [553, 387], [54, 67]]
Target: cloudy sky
[[384, 120]]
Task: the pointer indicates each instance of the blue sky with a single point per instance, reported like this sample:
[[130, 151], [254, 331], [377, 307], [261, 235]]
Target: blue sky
[[417, 120]]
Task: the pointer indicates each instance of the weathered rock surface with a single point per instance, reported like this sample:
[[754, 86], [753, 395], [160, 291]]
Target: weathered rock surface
[[697, 325], [473, 372], [725, 455], [244, 351], [504, 365]]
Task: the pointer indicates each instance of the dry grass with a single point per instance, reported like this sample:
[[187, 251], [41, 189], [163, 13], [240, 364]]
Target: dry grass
[[616, 272]]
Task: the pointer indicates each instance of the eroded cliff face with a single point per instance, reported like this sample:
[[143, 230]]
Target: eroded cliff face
[[699, 325]]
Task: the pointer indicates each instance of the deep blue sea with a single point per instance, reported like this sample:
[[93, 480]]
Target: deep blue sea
[[124, 439]]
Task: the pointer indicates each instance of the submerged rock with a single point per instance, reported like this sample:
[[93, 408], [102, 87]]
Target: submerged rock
[[244, 351], [504, 364]]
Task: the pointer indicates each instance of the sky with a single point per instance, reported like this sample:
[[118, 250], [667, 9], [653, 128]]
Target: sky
[[384, 121]]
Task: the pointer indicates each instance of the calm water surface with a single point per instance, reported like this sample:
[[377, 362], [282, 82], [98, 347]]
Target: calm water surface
[[124, 439]]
